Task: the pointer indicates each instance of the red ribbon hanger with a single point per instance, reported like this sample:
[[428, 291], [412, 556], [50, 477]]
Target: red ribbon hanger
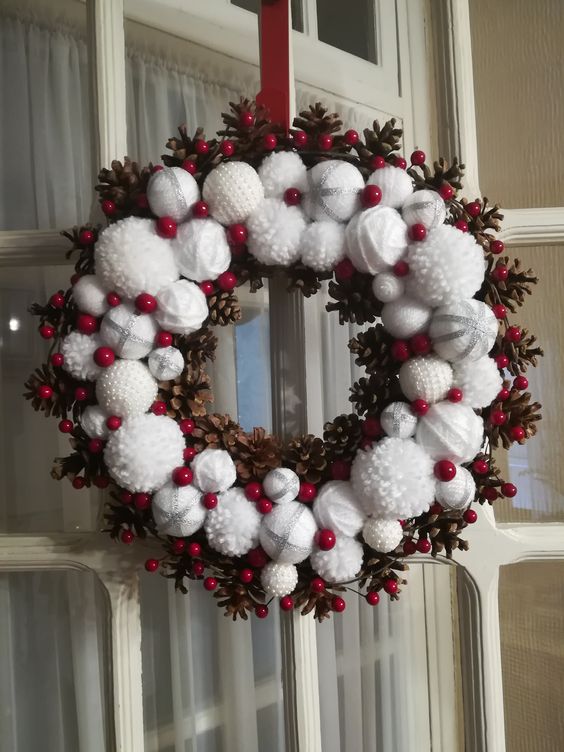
[[274, 42]]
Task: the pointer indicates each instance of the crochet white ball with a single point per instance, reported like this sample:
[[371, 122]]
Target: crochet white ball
[[130, 334], [278, 579], [395, 184], [479, 380], [341, 563], [450, 431], [90, 295], [425, 208], [214, 470], [394, 479], [382, 535], [405, 317], [387, 287], [78, 350], [458, 492], [201, 249], [232, 528], [182, 307], [323, 245], [178, 510], [398, 420], [126, 389], [93, 421], [287, 533], [376, 239], [463, 330], [166, 363], [281, 485], [337, 508], [233, 191], [275, 231], [132, 258], [172, 192], [425, 377], [142, 454], [333, 191], [280, 171], [445, 267]]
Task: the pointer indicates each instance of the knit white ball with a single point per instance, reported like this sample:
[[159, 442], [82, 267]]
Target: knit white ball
[[450, 431], [425, 208], [182, 307], [479, 380], [233, 191], [333, 191], [142, 454], [395, 184], [398, 420], [90, 295], [322, 245], [341, 563], [425, 377], [166, 363], [337, 508], [172, 192], [445, 267], [130, 334], [178, 510], [78, 351], [232, 528], [463, 330], [275, 231], [458, 492], [287, 533], [93, 422], [214, 470], [394, 479], [201, 249], [382, 535], [132, 258], [126, 389], [405, 317], [278, 579], [281, 485], [280, 171], [376, 239], [387, 287]]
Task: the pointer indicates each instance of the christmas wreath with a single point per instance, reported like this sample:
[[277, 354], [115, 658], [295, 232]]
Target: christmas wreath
[[250, 517]]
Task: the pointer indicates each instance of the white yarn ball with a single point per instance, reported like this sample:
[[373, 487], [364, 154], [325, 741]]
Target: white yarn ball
[[405, 317], [376, 239], [458, 492], [445, 267], [201, 249], [172, 192], [166, 363], [394, 479], [93, 422], [178, 510], [126, 389], [214, 470], [130, 334], [281, 485], [382, 535], [90, 295], [278, 579], [78, 350], [142, 454], [398, 420], [232, 528], [463, 330], [275, 231], [182, 307], [395, 184], [333, 191], [337, 508], [425, 208], [287, 533], [425, 377], [387, 287], [341, 563], [282, 170], [233, 191], [132, 258], [479, 380], [323, 245], [450, 431]]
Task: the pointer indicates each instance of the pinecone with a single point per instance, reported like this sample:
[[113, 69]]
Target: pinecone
[[521, 354], [249, 139], [373, 350], [125, 184], [249, 269], [489, 218], [342, 437], [520, 411], [317, 122], [255, 454], [197, 348], [512, 291], [85, 262], [304, 279], [214, 431], [224, 308], [306, 456], [80, 461], [355, 300], [184, 148], [186, 395], [442, 173], [62, 402]]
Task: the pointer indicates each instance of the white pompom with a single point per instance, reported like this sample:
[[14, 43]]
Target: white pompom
[[458, 492], [275, 231], [201, 249], [425, 377], [78, 350], [395, 184], [445, 267], [382, 535], [376, 239], [341, 563], [142, 454], [398, 420], [280, 171], [337, 508], [178, 510], [130, 334], [233, 191], [323, 245], [166, 363], [394, 479], [278, 579], [214, 470], [172, 192], [126, 389], [479, 380], [232, 528], [333, 191], [463, 330], [93, 422], [281, 485], [182, 307], [132, 258], [450, 431], [405, 317], [90, 295], [425, 208], [387, 287], [287, 533]]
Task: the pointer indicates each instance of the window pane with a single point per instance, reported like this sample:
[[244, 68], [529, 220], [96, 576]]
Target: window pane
[[297, 10], [350, 27]]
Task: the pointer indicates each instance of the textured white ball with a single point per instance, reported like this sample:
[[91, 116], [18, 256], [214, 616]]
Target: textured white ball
[[275, 231], [395, 184], [278, 579], [463, 330], [394, 479], [398, 420], [458, 492], [281, 485], [445, 267], [287, 533], [172, 192], [93, 422], [232, 528], [90, 295], [450, 431], [178, 510], [214, 470], [479, 380], [201, 249], [405, 317], [341, 563], [333, 191], [322, 245], [425, 377], [387, 287], [132, 258], [337, 508], [78, 350], [376, 239], [382, 535], [126, 389], [425, 208], [166, 363], [142, 454], [182, 307], [280, 171], [130, 334], [233, 191]]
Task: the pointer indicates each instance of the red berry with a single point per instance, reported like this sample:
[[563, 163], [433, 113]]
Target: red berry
[[74, 279], [489, 493], [300, 138], [187, 426], [508, 490], [513, 334], [151, 565], [325, 539], [57, 300], [400, 350], [497, 246], [517, 433], [104, 357], [307, 492], [188, 454], [166, 227], [470, 516], [287, 603], [454, 394], [473, 208], [237, 234], [78, 482], [45, 391], [424, 545], [338, 604], [57, 359], [198, 568], [86, 237], [481, 467], [257, 557], [182, 476], [371, 427], [270, 142], [400, 162], [127, 537], [435, 508], [246, 576], [499, 311], [126, 497], [142, 201], [113, 422], [86, 324], [226, 281], [66, 426], [446, 192], [461, 225], [227, 148], [401, 268], [503, 394], [200, 210], [444, 470], [391, 586], [113, 299], [194, 549], [95, 446], [370, 196], [158, 407], [164, 339], [207, 287], [80, 393], [420, 344], [201, 147], [292, 196], [325, 141], [409, 547], [418, 157], [261, 611], [372, 598], [190, 166], [498, 417], [521, 382], [317, 585], [253, 491], [157, 168], [344, 270], [142, 501], [502, 361], [210, 583], [264, 505], [101, 481], [109, 208], [420, 407], [146, 303], [377, 163], [340, 470], [178, 546], [500, 273], [210, 500], [351, 137], [418, 232], [246, 119]]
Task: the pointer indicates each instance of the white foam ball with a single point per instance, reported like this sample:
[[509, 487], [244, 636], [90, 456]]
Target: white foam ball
[[178, 510], [387, 287], [337, 508], [182, 307], [341, 563], [78, 350], [395, 184], [166, 363], [382, 535], [282, 170], [232, 528], [322, 245], [130, 334], [275, 231], [281, 485], [233, 191], [126, 389], [425, 208], [405, 317], [398, 420], [450, 431], [458, 492], [287, 533], [376, 239], [93, 422], [463, 330], [425, 377], [333, 191], [172, 192], [278, 579], [214, 470], [201, 249], [90, 295], [479, 380]]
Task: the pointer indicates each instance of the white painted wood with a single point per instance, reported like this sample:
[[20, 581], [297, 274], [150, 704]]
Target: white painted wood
[[32, 247], [533, 226]]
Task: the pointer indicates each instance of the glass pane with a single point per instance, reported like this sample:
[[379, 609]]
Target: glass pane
[[297, 11], [350, 27], [55, 689]]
